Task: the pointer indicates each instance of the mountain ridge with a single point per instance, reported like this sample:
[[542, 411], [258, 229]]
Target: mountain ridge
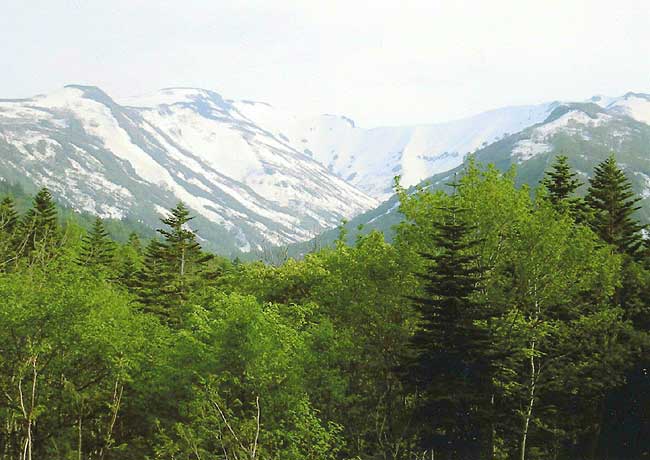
[[256, 175], [586, 132], [114, 161]]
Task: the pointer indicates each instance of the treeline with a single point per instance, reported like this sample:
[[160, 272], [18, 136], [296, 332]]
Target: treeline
[[496, 326]]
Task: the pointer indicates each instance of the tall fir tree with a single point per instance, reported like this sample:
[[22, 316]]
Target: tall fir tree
[[134, 243], [561, 183], [130, 262], [97, 249], [8, 226], [451, 363], [8, 216], [40, 230], [153, 284], [613, 204], [182, 252], [172, 268]]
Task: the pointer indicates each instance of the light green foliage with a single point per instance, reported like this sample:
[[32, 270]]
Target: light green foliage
[[67, 345], [306, 359], [248, 398], [97, 249], [551, 280]]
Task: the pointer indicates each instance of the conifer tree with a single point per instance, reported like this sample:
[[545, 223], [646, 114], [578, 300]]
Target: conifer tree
[[8, 226], [8, 216], [561, 181], [134, 243], [613, 203], [97, 248], [171, 267], [39, 227], [561, 184], [153, 284], [182, 253], [131, 262], [451, 364]]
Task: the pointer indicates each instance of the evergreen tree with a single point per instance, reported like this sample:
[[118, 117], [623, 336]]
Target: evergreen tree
[[39, 227], [613, 203], [560, 181], [561, 184], [134, 243], [153, 284], [8, 216], [172, 268], [8, 227], [451, 365], [182, 253], [130, 262], [97, 248]]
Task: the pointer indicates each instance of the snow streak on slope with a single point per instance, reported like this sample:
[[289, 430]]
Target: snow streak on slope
[[636, 106], [370, 158], [587, 133], [255, 174], [571, 123], [248, 186]]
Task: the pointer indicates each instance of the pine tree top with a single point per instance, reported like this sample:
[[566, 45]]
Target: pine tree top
[[560, 181], [43, 207], [97, 247], [613, 202], [8, 214]]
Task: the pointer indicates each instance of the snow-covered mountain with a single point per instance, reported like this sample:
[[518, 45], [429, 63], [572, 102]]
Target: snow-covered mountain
[[371, 158], [247, 185], [587, 132], [252, 173]]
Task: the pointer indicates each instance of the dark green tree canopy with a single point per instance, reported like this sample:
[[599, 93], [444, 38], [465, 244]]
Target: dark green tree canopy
[[613, 204], [451, 363], [8, 215], [560, 181], [40, 227], [561, 184], [182, 252], [97, 248], [172, 268]]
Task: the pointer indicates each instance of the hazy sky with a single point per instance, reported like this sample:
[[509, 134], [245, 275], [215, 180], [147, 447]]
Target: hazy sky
[[379, 62]]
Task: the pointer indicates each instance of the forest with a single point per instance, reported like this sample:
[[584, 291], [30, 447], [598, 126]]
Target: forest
[[500, 322]]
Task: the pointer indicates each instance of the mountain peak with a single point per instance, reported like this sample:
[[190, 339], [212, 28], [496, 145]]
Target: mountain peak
[[246, 185], [174, 95]]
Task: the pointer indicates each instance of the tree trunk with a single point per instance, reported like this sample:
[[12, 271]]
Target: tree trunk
[[28, 415], [491, 432], [79, 440], [531, 402]]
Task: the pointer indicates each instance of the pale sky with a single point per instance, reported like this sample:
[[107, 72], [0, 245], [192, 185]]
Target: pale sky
[[378, 62]]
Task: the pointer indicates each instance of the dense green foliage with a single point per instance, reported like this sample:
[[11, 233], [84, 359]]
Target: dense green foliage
[[494, 326], [611, 197]]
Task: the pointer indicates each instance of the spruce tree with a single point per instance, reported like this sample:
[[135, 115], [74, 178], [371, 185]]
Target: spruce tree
[[97, 248], [130, 262], [561, 184], [8, 216], [134, 243], [451, 364], [153, 284], [182, 252], [8, 226], [39, 227], [172, 268], [613, 204], [560, 181]]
